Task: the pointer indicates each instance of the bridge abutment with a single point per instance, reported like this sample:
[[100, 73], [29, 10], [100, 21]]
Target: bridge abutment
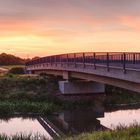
[[81, 87]]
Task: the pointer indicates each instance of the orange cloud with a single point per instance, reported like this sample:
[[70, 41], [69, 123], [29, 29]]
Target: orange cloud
[[46, 36]]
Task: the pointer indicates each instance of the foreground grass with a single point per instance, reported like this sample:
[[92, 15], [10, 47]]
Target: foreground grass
[[121, 133], [23, 137], [131, 133]]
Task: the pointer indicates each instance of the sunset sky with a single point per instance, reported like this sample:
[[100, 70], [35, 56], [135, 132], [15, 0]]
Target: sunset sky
[[31, 28]]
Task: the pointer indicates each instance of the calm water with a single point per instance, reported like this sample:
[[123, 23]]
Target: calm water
[[71, 121], [18, 125], [123, 117], [77, 121]]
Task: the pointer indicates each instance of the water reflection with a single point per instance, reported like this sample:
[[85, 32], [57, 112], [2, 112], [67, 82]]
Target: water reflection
[[70, 121], [77, 121], [18, 125], [120, 117]]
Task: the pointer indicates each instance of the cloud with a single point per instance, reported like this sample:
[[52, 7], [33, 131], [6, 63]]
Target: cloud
[[34, 24], [68, 8]]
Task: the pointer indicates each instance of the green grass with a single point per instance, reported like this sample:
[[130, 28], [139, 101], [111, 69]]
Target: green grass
[[25, 107], [28, 84], [45, 104], [121, 96], [28, 95], [37, 94], [122, 133], [33, 94], [23, 137]]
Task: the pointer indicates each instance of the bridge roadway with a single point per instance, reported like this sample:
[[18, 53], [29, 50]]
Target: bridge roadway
[[117, 69]]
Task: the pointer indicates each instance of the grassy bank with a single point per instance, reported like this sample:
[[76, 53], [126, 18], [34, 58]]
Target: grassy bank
[[27, 95], [27, 107], [37, 94], [121, 133], [116, 96], [32, 94], [22, 137]]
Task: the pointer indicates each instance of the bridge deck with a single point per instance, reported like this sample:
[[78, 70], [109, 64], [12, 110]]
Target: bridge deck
[[120, 69], [123, 60]]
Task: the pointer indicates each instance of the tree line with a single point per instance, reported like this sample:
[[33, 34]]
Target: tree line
[[8, 59]]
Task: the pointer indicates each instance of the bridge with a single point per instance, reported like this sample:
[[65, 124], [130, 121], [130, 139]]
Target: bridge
[[89, 72]]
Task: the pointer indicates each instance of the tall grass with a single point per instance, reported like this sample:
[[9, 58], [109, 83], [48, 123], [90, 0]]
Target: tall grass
[[33, 95], [28, 95], [12, 107], [122, 133], [117, 95], [23, 137]]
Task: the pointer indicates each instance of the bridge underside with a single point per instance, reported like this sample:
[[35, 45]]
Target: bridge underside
[[70, 75], [117, 69]]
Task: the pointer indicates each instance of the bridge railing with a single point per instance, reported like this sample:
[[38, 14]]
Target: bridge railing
[[120, 60]]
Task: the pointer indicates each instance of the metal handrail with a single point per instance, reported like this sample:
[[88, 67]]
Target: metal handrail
[[123, 60]]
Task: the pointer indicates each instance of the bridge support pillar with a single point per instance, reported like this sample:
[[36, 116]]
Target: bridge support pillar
[[81, 87]]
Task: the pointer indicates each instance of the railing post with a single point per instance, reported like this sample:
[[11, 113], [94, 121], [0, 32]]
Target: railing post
[[50, 60], [75, 60], [67, 60], [124, 62], [107, 58], [60, 60], [84, 60], [134, 58], [56, 61], [94, 60], [121, 58]]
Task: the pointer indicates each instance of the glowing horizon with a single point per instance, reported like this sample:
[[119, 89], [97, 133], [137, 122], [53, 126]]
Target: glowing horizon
[[47, 27]]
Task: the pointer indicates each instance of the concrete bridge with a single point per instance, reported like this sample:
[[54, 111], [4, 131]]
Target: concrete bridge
[[89, 72]]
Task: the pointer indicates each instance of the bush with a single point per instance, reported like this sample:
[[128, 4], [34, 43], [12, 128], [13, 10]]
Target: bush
[[17, 70]]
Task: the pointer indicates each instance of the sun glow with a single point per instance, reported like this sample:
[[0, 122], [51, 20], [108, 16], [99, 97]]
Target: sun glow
[[37, 29]]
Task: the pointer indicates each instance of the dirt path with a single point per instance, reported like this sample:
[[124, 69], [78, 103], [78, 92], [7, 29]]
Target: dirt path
[[2, 70]]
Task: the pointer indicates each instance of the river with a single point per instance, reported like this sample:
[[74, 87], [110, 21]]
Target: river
[[70, 122]]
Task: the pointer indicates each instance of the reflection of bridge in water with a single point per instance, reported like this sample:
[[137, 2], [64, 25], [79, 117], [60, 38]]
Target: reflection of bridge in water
[[88, 120], [73, 122], [117, 69]]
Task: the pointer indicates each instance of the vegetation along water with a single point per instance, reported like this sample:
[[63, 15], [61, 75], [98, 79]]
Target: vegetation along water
[[32, 94]]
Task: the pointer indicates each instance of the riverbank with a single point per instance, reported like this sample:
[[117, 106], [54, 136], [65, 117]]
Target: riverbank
[[33, 95], [120, 97], [37, 94], [27, 94], [121, 133], [22, 137]]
